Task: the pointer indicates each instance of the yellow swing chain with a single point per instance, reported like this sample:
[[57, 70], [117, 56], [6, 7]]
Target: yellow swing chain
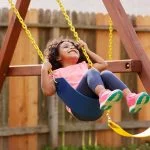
[[72, 29], [110, 43]]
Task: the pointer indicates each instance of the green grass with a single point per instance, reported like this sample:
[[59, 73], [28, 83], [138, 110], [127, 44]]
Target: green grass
[[145, 146]]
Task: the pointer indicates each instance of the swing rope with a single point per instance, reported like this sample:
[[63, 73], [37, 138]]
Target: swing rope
[[111, 124]]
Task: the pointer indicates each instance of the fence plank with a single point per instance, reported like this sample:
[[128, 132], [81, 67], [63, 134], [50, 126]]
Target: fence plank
[[4, 93], [53, 110], [31, 84], [24, 98], [45, 17], [130, 79], [144, 39], [102, 49]]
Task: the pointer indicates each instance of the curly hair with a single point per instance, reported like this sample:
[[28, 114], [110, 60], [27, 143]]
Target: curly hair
[[52, 52]]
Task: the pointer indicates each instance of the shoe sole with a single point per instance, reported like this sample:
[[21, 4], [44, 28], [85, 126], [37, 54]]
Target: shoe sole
[[142, 100], [115, 97]]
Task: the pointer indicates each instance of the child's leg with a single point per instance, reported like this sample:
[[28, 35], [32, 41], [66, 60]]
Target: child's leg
[[111, 81], [134, 101], [92, 85]]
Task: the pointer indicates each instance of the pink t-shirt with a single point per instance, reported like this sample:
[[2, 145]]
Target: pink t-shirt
[[73, 74]]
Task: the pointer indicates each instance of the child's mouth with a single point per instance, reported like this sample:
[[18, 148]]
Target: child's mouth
[[72, 51]]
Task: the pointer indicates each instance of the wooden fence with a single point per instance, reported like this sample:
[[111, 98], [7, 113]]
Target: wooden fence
[[29, 120]]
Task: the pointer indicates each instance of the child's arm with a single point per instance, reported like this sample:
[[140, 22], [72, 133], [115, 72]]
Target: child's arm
[[99, 63], [47, 83]]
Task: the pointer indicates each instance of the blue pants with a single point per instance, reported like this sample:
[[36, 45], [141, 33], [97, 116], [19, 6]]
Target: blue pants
[[93, 78]]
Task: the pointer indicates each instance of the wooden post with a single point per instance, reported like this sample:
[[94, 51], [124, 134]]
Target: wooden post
[[11, 38], [129, 38], [144, 38], [4, 92], [48, 18], [53, 121], [53, 110]]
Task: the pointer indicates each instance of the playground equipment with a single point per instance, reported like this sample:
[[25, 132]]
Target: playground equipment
[[123, 27]]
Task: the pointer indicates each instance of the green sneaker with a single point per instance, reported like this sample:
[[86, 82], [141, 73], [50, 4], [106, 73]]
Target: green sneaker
[[137, 101], [108, 98]]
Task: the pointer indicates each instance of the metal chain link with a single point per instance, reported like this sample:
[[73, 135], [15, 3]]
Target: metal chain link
[[72, 29], [110, 44]]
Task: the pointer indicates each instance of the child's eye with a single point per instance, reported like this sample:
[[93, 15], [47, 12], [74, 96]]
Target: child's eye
[[66, 46], [76, 45]]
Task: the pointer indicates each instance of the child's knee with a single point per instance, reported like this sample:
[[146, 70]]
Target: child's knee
[[106, 73], [93, 71]]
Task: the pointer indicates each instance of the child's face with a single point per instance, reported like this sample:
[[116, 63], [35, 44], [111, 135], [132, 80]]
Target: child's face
[[68, 52]]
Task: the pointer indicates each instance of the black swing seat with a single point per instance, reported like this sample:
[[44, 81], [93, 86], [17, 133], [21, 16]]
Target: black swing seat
[[83, 108]]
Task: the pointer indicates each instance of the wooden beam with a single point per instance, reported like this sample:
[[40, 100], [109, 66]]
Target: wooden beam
[[115, 66], [24, 70], [85, 27], [6, 131], [129, 38], [122, 66], [92, 126], [11, 38], [72, 127]]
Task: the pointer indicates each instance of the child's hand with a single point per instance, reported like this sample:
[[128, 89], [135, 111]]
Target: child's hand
[[46, 66], [82, 44]]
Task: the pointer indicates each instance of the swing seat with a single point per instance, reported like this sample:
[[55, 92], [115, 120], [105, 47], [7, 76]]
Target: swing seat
[[83, 108]]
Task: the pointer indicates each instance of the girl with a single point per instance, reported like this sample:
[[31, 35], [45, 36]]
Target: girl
[[66, 60]]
